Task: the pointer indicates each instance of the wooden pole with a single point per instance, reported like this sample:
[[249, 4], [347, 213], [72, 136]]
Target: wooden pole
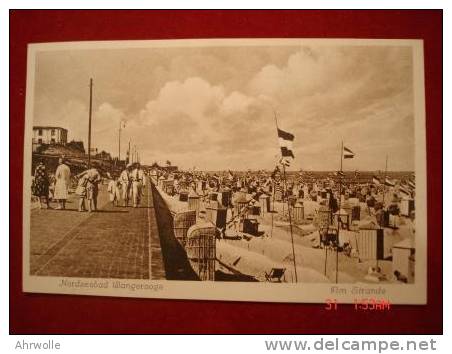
[[326, 256], [288, 206], [384, 182], [119, 142], [89, 122], [339, 221], [290, 225], [274, 183], [384, 193], [128, 154], [272, 209]]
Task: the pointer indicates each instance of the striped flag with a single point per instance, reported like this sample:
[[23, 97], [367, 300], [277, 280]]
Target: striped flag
[[412, 184], [278, 188], [404, 191], [348, 154], [285, 142], [376, 180]]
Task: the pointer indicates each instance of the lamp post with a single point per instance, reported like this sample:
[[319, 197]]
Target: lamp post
[[122, 125]]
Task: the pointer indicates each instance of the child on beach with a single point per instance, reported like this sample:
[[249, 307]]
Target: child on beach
[[113, 190], [81, 191]]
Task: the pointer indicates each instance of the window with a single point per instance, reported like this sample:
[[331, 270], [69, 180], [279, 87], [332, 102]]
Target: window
[[52, 140], [39, 141], [40, 132], [53, 132]]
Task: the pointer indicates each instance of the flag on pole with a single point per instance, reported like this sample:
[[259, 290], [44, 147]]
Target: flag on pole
[[348, 154], [285, 142], [376, 180]]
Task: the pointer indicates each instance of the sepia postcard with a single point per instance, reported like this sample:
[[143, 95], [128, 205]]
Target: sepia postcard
[[280, 170]]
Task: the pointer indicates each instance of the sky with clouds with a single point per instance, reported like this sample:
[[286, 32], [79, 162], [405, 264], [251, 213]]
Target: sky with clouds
[[213, 107]]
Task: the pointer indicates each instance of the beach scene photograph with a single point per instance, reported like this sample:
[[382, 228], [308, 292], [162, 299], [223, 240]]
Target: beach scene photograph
[[284, 162]]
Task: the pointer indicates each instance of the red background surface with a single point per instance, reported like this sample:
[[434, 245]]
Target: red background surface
[[38, 313]]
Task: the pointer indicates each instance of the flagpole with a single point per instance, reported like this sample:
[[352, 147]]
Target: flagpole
[[273, 205], [273, 181], [290, 225], [326, 257], [288, 207], [339, 214]]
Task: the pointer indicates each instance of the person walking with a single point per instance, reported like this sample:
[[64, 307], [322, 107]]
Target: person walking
[[125, 181], [62, 183], [138, 181], [40, 185], [113, 190], [92, 188]]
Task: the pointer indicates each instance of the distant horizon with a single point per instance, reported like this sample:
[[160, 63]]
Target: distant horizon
[[297, 171], [288, 169]]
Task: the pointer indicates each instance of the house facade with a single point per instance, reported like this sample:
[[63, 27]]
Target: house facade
[[49, 135]]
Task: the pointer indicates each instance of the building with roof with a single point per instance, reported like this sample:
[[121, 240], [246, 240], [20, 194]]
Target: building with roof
[[49, 135]]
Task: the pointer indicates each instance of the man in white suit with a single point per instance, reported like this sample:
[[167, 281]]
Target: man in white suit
[[138, 182]]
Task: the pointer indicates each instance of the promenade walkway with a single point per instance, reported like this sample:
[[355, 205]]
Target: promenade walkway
[[114, 242]]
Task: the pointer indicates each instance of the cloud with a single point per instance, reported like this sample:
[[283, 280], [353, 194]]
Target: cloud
[[194, 117], [357, 94], [213, 108], [194, 97]]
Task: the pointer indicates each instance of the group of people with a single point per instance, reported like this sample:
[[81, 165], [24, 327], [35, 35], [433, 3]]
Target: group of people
[[42, 184], [131, 181], [46, 188], [88, 189]]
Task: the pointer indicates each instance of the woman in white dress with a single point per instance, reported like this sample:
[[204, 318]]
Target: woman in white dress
[[62, 182]]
